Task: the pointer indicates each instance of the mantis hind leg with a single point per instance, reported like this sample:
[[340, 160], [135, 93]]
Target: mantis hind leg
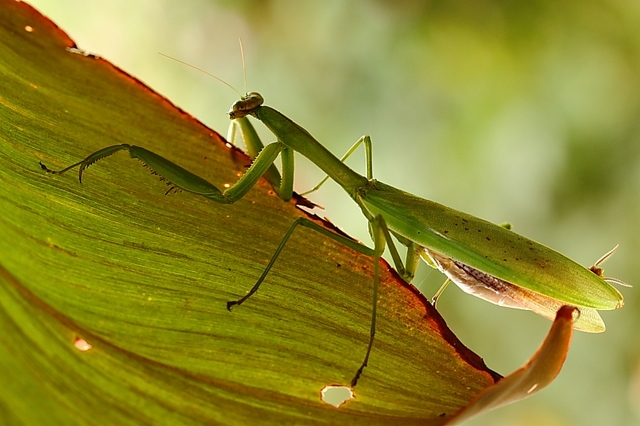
[[380, 234], [436, 296]]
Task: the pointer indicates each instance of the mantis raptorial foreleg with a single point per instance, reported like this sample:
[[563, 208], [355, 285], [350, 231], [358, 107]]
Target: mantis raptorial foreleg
[[282, 185], [181, 178]]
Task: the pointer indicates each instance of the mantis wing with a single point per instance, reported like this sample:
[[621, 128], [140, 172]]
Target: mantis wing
[[511, 296], [489, 248]]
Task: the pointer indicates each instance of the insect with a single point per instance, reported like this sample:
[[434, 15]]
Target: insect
[[484, 259]]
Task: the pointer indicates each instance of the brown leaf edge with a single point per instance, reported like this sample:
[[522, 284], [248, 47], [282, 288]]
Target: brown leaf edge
[[534, 376]]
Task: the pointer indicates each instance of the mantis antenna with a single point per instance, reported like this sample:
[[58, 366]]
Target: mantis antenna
[[244, 69], [208, 73], [244, 65]]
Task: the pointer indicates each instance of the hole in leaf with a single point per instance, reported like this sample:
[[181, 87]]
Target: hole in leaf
[[336, 395], [82, 345]]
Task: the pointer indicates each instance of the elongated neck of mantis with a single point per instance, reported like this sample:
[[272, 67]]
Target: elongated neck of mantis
[[298, 139]]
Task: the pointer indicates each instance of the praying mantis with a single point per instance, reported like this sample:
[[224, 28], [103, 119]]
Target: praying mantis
[[487, 260]]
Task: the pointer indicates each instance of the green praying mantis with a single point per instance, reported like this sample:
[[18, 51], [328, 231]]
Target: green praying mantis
[[484, 259]]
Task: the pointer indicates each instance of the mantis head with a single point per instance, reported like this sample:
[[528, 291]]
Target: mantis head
[[246, 105]]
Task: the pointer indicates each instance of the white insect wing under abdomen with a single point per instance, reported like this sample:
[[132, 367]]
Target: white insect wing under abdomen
[[503, 293], [474, 282]]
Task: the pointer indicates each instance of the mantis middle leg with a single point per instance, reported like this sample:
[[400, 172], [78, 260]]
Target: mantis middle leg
[[366, 140], [381, 236]]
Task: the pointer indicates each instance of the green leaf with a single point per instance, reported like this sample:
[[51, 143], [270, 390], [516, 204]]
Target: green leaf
[[144, 277]]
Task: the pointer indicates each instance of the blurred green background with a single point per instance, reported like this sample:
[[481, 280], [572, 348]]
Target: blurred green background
[[511, 111]]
